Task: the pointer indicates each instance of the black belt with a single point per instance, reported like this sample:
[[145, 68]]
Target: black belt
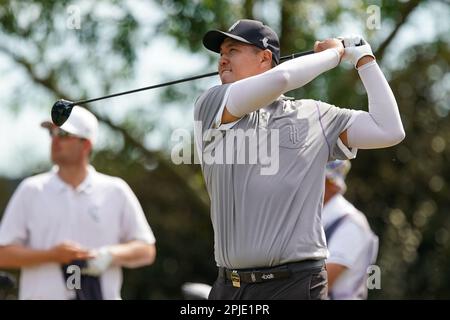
[[256, 275]]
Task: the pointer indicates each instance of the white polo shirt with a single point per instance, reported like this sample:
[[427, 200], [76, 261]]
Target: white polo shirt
[[352, 244], [45, 211]]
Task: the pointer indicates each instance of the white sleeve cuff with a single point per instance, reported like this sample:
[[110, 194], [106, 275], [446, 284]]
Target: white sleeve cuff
[[218, 119], [367, 65], [350, 153]]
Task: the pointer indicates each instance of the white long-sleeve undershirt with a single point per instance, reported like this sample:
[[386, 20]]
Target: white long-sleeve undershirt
[[382, 126], [250, 94]]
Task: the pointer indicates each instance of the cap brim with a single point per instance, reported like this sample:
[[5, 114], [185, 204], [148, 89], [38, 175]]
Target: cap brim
[[65, 127], [48, 125], [213, 39], [70, 128]]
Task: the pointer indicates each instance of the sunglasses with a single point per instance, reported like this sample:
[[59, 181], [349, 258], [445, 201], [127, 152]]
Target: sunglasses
[[57, 132]]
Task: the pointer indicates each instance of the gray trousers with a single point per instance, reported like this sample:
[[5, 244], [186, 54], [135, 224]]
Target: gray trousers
[[310, 284]]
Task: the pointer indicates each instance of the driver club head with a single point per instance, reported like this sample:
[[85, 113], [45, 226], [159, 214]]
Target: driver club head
[[61, 111]]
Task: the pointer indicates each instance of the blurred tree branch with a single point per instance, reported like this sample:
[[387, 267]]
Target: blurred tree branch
[[182, 177], [248, 9], [405, 12], [287, 34]]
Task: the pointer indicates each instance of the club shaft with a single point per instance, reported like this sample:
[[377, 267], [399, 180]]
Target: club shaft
[[296, 55], [205, 75], [147, 88]]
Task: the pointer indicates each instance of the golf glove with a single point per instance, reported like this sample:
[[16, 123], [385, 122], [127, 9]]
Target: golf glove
[[96, 266], [355, 48]]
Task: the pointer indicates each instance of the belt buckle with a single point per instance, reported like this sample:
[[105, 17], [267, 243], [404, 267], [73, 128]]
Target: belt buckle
[[235, 279]]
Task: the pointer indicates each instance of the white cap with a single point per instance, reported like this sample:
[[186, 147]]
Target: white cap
[[336, 171], [81, 123]]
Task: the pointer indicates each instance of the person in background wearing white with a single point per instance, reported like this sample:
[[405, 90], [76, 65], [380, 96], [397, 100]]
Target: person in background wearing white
[[74, 215], [351, 243]]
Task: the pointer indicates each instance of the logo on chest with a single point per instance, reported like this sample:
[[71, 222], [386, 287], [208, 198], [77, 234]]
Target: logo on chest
[[294, 134]]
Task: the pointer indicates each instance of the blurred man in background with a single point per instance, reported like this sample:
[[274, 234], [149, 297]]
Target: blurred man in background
[[351, 243], [74, 216]]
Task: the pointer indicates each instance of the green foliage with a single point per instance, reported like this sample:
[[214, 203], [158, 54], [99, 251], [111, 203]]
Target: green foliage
[[188, 20], [403, 190], [64, 43]]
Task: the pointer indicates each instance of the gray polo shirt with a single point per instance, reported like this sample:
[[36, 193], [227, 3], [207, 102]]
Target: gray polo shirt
[[267, 212]]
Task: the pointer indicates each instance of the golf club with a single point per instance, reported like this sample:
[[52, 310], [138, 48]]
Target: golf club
[[62, 108]]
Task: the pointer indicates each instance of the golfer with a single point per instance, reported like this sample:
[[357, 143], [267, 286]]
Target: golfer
[[269, 240]]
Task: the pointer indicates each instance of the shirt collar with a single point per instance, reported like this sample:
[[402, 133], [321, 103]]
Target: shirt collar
[[85, 186]]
